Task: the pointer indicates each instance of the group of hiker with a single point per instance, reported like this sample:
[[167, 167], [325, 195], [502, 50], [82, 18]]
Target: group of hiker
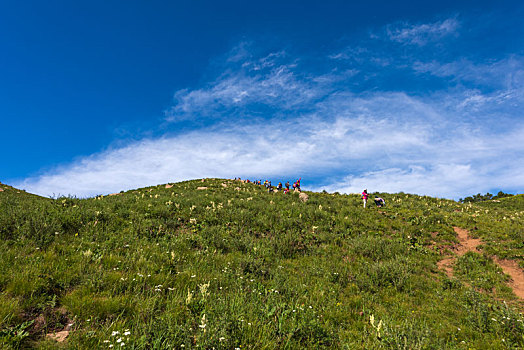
[[267, 184], [379, 202]]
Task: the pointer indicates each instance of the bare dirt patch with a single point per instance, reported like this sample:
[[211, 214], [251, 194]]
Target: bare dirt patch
[[469, 244], [466, 243], [511, 268], [446, 265]]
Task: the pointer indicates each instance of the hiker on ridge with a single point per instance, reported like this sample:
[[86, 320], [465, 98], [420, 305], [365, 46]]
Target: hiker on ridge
[[365, 197], [279, 187], [287, 185], [296, 185], [380, 202]]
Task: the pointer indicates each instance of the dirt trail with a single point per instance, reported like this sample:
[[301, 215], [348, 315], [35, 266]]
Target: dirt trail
[[511, 268], [468, 244]]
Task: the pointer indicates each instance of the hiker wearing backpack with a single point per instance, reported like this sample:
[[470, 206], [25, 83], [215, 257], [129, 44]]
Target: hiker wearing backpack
[[365, 197], [296, 185], [287, 185], [380, 202]]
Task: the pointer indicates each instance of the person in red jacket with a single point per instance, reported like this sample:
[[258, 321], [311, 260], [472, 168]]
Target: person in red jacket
[[365, 197]]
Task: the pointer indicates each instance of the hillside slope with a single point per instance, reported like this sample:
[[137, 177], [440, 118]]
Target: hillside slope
[[223, 264]]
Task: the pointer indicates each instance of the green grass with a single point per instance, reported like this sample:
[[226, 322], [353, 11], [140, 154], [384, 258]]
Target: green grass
[[236, 267]]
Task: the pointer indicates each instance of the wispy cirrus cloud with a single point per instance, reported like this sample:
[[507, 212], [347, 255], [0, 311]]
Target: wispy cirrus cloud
[[506, 73], [249, 88], [421, 34]]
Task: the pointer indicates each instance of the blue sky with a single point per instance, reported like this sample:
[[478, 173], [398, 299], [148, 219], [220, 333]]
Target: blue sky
[[102, 96]]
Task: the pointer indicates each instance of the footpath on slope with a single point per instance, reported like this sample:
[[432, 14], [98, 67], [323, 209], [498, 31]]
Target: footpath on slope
[[469, 244]]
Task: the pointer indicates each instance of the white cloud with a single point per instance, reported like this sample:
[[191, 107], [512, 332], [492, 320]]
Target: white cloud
[[506, 73], [410, 151], [266, 81], [421, 34]]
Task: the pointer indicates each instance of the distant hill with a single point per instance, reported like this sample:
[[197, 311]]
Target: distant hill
[[512, 203], [223, 264]]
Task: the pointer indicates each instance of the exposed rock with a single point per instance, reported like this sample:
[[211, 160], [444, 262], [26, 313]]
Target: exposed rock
[[169, 186], [303, 197], [58, 336], [224, 185], [201, 188]]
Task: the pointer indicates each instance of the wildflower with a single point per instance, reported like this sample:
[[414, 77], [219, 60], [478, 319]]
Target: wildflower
[[119, 340], [114, 333], [202, 324], [189, 296], [204, 289], [127, 332]]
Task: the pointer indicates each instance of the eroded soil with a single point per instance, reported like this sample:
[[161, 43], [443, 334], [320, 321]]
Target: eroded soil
[[469, 244]]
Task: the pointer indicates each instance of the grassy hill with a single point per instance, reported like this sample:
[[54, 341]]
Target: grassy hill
[[223, 264]]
